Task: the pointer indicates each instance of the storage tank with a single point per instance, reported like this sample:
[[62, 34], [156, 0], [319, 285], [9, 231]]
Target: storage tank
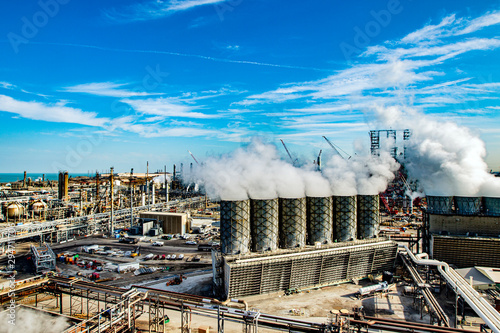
[[264, 224], [368, 216], [344, 217], [440, 205], [235, 226], [467, 205], [14, 210], [38, 207], [491, 206], [292, 222], [319, 220]]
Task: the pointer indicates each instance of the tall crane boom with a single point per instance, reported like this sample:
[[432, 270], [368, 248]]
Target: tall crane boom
[[334, 147], [289, 155], [194, 158]]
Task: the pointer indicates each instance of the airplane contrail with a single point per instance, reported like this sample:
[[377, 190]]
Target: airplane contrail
[[199, 56]]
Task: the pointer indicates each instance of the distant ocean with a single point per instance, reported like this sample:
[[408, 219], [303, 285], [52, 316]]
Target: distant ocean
[[12, 177]]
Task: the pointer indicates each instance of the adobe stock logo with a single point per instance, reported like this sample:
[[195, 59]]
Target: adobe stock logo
[[362, 37], [30, 28]]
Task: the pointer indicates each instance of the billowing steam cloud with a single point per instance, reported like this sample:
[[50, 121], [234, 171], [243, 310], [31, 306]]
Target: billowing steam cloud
[[32, 321], [258, 172], [445, 158]]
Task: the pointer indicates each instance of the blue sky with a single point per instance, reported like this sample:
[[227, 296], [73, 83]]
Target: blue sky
[[86, 85]]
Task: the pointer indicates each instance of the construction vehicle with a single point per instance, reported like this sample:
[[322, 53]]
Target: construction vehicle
[[176, 280], [136, 252]]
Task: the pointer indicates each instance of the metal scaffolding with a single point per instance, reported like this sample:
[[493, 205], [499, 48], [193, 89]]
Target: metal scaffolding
[[44, 258]]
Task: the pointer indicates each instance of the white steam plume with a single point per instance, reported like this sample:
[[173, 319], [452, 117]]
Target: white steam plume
[[446, 159], [362, 174], [32, 321], [257, 172]]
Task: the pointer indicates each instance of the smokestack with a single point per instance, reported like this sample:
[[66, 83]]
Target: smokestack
[[131, 199], [66, 181], [111, 188], [24, 179]]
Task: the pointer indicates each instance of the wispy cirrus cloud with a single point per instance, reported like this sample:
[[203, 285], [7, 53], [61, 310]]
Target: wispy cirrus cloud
[[168, 107], [153, 10], [56, 112], [399, 69], [110, 89]]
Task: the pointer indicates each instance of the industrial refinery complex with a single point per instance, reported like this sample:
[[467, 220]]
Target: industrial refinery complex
[[161, 252]]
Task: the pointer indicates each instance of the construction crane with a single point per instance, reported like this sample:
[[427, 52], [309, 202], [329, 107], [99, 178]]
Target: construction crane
[[289, 155], [194, 158], [334, 147]]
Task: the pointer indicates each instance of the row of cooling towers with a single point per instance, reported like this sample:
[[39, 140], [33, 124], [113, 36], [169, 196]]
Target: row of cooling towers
[[266, 225], [467, 206]]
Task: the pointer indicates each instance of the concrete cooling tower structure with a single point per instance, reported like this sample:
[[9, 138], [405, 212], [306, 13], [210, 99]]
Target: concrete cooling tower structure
[[264, 224], [368, 216], [292, 222], [270, 245], [345, 217], [235, 226], [463, 231], [319, 220]]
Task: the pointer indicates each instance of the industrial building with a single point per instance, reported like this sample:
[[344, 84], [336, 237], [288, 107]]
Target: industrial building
[[452, 224], [282, 243], [172, 223], [290, 269]]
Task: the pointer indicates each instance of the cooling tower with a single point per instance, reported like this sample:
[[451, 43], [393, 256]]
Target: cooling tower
[[439, 205], [235, 226], [264, 222], [491, 206], [319, 220], [467, 205], [344, 217], [292, 223], [368, 216]]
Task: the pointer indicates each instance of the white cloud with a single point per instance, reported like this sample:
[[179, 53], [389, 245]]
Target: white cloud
[[7, 85], [152, 10], [167, 107], [106, 89], [397, 70], [57, 112]]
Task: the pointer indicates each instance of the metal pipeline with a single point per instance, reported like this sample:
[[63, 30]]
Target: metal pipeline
[[241, 301], [490, 316]]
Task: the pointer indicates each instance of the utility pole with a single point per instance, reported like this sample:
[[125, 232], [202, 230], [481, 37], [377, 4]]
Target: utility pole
[[131, 200], [111, 183]]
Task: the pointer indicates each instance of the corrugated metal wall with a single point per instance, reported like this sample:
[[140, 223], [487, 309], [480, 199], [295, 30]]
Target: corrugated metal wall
[[276, 273]]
